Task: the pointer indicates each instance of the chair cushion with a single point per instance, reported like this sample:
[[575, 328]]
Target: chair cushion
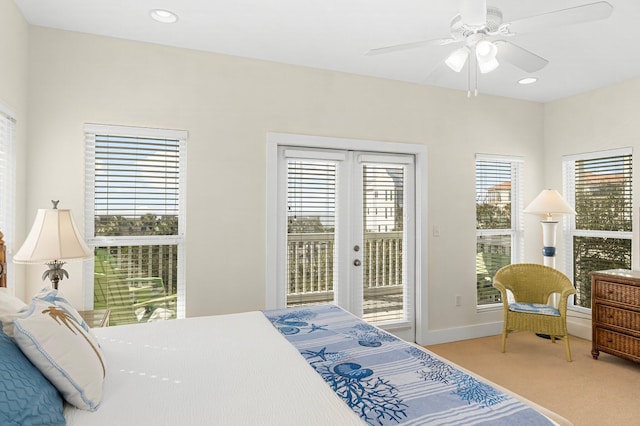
[[534, 308], [51, 336], [26, 396]]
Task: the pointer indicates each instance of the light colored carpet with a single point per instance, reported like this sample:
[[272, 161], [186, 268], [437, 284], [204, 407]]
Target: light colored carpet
[[585, 391]]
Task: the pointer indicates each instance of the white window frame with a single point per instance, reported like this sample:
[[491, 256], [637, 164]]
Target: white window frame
[[8, 189], [91, 130], [517, 215], [569, 221]]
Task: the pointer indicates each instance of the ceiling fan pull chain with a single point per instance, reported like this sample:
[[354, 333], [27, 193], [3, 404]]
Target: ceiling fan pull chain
[[475, 93]]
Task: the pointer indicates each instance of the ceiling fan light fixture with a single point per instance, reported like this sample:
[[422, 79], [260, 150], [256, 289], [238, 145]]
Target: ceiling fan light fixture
[[457, 59], [486, 49], [488, 66], [486, 54]]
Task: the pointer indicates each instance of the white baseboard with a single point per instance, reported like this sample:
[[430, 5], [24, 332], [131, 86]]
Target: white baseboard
[[579, 329], [434, 337]]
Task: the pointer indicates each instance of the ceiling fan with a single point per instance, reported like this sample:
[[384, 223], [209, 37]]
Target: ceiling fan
[[483, 36]]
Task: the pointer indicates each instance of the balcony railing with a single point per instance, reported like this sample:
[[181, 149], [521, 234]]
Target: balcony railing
[[136, 283], [311, 265]]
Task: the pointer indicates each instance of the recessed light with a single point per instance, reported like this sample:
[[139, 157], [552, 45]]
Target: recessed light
[[528, 80], [164, 16]]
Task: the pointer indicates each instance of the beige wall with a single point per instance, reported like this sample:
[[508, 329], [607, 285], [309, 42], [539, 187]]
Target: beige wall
[[14, 47], [228, 105], [603, 119]]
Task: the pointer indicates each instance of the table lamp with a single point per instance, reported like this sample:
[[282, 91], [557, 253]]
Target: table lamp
[[53, 240], [549, 202]]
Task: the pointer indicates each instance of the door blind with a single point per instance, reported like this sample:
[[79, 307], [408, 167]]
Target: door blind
[[311, 202], [311, 196]]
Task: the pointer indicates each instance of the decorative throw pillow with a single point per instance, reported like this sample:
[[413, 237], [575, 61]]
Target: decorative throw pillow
[[55, 297], [10, 307], [26, 397], [51, 336]]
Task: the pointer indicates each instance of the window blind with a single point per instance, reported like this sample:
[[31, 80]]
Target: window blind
[[137, 178], [603, 193], [493, 194]]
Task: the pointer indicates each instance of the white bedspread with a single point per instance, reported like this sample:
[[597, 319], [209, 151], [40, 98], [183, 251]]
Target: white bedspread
[[223, 370]]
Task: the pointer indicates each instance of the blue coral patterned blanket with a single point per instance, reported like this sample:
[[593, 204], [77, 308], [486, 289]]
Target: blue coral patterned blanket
[[388, 381]]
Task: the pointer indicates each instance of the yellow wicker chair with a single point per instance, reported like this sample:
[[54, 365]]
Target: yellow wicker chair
[[531, 285]]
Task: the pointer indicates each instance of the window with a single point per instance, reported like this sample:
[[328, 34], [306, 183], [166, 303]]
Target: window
[[498, 220], [598, 186], [135, 221], [7, 182]]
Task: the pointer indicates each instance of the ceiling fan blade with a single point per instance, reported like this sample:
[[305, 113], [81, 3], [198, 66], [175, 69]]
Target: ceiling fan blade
[[572, 15], [520, 57], [412, 45], [474, 12]]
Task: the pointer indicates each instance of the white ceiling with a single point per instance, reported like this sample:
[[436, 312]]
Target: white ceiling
[[336, 34]]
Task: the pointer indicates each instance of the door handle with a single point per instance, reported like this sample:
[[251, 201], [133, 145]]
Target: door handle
[[357, 262]]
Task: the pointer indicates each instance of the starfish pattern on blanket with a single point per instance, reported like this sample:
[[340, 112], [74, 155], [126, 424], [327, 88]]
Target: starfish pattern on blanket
[[296, 321]]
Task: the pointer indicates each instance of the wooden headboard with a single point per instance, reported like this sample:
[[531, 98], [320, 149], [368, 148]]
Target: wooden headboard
[[3, 262]]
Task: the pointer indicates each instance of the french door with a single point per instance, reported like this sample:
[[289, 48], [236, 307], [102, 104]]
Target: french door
[[349, 233]]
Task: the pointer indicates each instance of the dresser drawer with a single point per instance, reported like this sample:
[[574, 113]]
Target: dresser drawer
[[628, 321], [617, 292], [616, 343]]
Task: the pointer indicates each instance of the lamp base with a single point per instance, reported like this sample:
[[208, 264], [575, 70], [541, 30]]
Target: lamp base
[[55, 272]]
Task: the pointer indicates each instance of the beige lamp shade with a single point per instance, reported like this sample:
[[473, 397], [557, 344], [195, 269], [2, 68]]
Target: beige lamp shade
[[549, 202], [54, 236]]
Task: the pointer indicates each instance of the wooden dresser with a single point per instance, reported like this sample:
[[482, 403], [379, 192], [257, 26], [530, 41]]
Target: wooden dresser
[[615, 304]]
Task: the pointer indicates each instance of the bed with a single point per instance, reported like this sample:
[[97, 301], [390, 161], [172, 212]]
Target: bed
[[315, 365]]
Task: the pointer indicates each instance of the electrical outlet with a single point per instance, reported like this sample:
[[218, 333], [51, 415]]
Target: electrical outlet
[[436, 230], [458, 300]]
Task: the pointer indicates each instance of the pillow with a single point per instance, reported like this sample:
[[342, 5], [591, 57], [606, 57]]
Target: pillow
[[55, 297], [51, 336], [9, 309], [26, 397]]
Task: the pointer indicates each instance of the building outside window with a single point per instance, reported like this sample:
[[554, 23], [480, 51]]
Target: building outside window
[[598, 186], [135, 221], [498, 220]]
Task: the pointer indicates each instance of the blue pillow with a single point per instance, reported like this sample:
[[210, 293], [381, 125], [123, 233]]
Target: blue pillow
[[26, 396]]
